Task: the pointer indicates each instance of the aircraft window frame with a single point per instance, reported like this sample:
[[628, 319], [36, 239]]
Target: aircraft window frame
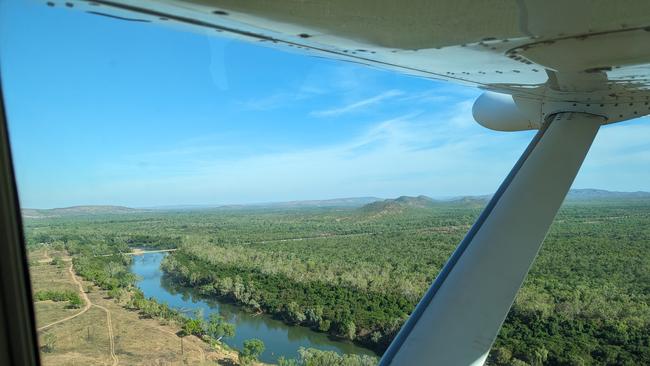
[[18, 337]]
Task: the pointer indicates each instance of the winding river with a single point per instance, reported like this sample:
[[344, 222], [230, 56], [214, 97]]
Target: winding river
[[280, 339]]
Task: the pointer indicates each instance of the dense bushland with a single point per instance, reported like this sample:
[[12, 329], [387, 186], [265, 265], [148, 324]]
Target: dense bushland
[[73, 299], [358, 273], [314, 357]]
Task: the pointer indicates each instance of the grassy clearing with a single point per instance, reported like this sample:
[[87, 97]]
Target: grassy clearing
[[50, 311], [84, 340], [72, 346]]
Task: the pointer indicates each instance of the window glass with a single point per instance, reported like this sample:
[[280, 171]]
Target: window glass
[[191, 198]]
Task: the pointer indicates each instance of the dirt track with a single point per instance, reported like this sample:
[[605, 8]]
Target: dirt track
[[88, 305], [83, 295]]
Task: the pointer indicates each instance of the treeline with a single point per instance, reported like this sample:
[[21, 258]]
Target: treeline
[[369, 318], [112, 272], [212, 330], [152, 241], [101, 237], [315, 357], [71, 297], [108, 272]]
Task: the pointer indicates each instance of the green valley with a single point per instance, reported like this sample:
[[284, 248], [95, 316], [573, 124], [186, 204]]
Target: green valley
[[356, 271]]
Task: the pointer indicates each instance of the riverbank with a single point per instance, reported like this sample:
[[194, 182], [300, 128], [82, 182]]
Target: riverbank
[[367, 318], [103, 331], [281, 340]]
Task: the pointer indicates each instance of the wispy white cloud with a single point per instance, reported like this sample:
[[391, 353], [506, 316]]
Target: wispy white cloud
[[441, 153], [415, 153], [335, 81], [358, 105]]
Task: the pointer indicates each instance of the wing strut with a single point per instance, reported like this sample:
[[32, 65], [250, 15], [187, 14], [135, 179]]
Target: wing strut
[[459, 317]]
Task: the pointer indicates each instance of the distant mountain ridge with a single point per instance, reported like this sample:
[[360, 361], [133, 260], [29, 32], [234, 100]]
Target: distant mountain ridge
[[579, 194], [402, 203], [365, 204], [398, 204], [407, 202], [78, 211], [333, 202], [348, 202], [591, 194]]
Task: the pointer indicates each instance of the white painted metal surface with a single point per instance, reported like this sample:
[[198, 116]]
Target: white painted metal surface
[[591, 52], [504, 112], [457, 324], [501, 112]]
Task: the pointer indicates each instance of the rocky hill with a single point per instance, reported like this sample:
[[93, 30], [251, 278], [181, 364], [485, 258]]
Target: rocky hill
[[77, 211]]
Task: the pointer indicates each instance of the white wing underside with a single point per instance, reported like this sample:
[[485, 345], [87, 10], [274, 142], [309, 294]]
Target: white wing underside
[[570, 51]]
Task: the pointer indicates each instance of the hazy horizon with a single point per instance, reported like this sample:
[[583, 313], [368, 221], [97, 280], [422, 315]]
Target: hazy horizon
[[223, 204], [252, 203]]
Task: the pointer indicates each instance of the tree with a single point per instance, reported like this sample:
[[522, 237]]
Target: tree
[[115, 293], [282, 361], [314, 315], [253, 348], [324, 325], [218, 328], [113, 269], [315, 357], [193, 326], [376, 336], [518, 362], [500, 356], [75, 302], [57, 261], [349, 330], [294, 313]]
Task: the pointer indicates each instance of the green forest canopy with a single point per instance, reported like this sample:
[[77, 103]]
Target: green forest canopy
[[357, 273]]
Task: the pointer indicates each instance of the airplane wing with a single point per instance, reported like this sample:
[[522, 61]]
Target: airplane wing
[[512, 47], [562, 67]]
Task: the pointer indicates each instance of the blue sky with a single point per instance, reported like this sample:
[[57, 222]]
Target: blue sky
[[104, 111]]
